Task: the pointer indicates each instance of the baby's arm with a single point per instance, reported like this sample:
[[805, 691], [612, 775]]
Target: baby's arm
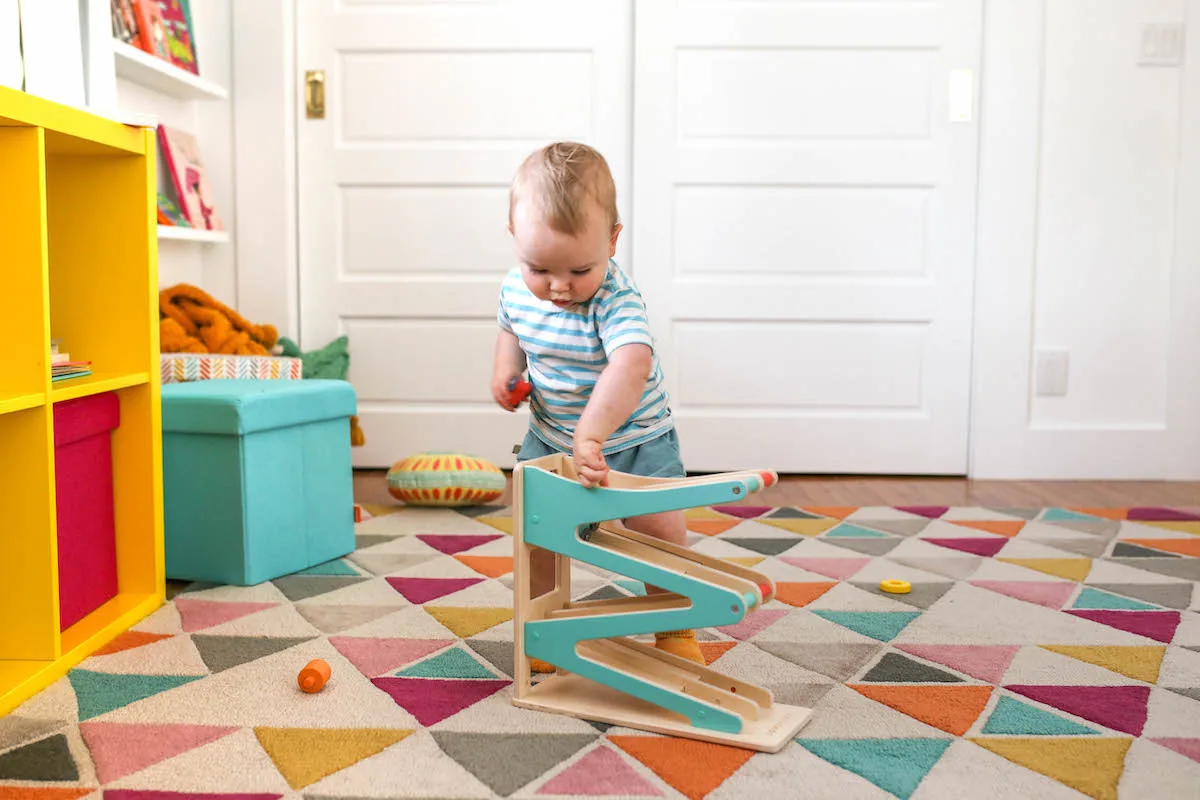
[[617, 394], [509, 363]]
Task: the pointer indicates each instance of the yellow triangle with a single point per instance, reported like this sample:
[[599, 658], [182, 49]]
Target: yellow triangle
[[1139, 663], [377, 510], [1183, 527], [502, 524], [703, 513], [804, 527], [747, 561], [1073, 569], [306, 755], [468, 621], [1089, 765]]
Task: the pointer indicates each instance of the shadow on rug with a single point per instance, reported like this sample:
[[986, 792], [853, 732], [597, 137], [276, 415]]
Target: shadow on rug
[[1045, 653]]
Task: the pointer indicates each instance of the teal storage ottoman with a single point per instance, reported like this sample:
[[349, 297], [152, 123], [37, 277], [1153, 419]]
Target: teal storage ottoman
[[257, 480]]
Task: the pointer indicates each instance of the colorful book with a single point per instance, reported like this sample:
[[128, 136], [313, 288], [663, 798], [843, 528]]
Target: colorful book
[[181, 152], [178, 29], [124, 22], [152, 30]]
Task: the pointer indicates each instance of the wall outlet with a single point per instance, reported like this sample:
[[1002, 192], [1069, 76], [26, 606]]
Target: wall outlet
[[1052, 368], [1163, 44]]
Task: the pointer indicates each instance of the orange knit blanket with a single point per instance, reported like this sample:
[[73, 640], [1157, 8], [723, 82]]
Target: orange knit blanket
[[191, 321]]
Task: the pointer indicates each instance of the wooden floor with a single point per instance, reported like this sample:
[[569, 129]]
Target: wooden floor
[[370, 486]]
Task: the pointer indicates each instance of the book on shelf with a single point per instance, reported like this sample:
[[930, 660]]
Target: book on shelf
[[188, 179], [162, 28], [62, 367]]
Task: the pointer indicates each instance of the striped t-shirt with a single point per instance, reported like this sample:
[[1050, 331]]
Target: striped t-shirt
[[567, 349]]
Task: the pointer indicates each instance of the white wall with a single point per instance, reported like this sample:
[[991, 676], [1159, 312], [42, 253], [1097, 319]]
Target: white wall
[[1089, 175]]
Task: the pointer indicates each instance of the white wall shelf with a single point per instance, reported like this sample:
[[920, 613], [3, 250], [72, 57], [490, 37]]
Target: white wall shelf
[[140, 67], [179, 233]]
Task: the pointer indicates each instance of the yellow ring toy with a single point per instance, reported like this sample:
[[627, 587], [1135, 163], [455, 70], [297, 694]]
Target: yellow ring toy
[[896, 587]]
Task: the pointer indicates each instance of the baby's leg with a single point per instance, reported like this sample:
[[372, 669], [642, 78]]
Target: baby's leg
[[670, 526]]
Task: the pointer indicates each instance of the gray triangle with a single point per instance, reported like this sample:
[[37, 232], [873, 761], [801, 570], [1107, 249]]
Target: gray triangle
[[302, 587], [365, 540], [895, 668], [1192, 693], [705, 635], [45, 760], [805, 695], [1127, 550], [482, 511], [1091, 548], [865, 545], [949, 567], [334, 619], [900, 527], [766, 547], [498, 654], [1104, 528], [1170, 595], [16, 730], [606, 592], [600, 726], [923, 595], [787, 512], [838, 661], [1186, 568], [388, 563], [1195, 648], [1019, 513], [225, 652], [505, 762]]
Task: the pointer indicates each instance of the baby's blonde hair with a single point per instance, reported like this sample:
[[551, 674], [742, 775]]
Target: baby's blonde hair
[[559, 179]]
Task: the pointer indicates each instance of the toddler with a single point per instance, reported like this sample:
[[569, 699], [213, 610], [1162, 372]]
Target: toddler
[[575, 320]]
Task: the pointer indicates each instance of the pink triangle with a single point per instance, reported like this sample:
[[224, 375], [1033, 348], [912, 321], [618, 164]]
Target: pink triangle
[[745, 512], [422, 590], [1122, 708], [196, 615], [754, 624], [122, 748], [1051, 594], [601, 773], [933, 512], [432, 700], [377, 656], [837, 568], [986, 546], [1157, 625], [163, 794], [455, 544], [1185, 747], [985, 662]]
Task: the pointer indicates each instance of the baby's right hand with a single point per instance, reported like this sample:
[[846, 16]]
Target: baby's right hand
[[501, 393]]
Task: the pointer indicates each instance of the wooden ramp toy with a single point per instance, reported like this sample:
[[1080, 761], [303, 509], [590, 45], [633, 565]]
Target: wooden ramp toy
[[602, 673]]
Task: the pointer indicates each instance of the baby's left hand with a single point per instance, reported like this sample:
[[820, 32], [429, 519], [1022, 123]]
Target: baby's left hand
[[590, 463]]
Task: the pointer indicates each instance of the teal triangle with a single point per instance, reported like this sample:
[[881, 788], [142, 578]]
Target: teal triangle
[[1014, 718], [1098, 598], [637, 587], [880, 625], [454, 663], [101, 692], [894, 765], [335, 567], [848, 530], [1062, 515]]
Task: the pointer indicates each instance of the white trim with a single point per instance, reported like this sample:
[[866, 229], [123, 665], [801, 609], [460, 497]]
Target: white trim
[[264, 62], [182, 234], [134, 64]]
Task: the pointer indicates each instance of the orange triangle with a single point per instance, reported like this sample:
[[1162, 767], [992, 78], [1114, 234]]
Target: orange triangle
[[693, 768], [1091, 765], [949, 708], [50, 793], [129, 640], [712, 527], [306, 755], [840, 512], [1184, 547], [800, 594], [1003, 527], [492, 566], [714, 650], [1105, 513]]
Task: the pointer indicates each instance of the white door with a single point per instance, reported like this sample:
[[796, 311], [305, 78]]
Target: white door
[[429, 109], [804, 194]]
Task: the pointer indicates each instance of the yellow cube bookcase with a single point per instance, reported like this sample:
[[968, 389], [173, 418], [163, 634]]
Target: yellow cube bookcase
[[79, 258]]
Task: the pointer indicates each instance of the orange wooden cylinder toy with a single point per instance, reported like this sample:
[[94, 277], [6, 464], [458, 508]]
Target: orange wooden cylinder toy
[[314, 676]]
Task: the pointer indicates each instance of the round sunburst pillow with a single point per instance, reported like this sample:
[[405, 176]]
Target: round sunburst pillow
[[445, 479]]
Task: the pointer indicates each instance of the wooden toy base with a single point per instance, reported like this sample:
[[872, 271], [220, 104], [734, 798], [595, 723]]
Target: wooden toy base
[[583, 699]]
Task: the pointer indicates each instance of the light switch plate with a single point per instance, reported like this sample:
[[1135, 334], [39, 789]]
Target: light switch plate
[[1163, 44], [1052, 367]]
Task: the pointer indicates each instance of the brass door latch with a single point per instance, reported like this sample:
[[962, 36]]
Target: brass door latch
[[314, 93]]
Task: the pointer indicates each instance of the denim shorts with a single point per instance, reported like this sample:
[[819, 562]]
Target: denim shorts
[[657, 458]]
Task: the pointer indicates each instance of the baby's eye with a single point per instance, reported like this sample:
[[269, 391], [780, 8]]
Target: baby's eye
[[583, 271], [536, 271]]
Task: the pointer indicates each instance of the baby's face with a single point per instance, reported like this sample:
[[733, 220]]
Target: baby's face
[[562, 269]]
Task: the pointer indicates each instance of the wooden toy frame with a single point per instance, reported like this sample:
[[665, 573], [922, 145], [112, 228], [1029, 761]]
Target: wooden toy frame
[[603, 674]]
